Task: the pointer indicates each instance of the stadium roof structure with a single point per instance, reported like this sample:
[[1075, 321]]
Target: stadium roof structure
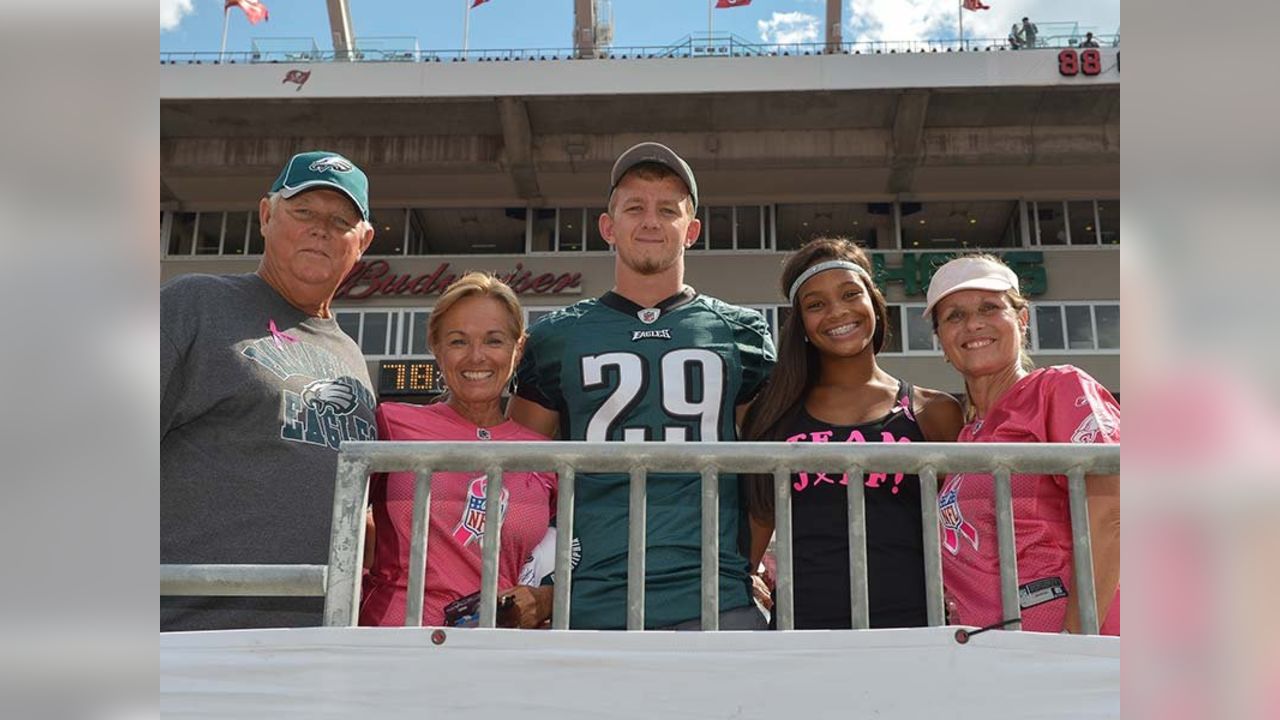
[[495, 133]]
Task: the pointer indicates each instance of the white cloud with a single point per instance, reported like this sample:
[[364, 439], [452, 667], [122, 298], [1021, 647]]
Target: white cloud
[[172, 12], [925, 19], [789, 27], [901, 19]]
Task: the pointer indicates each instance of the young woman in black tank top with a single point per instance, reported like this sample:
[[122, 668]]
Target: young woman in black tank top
[[827, 387]]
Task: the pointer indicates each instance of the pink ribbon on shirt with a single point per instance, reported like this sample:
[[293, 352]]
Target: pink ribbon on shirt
[[276, 334]]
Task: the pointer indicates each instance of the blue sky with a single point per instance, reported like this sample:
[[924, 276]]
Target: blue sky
[[196, 25]]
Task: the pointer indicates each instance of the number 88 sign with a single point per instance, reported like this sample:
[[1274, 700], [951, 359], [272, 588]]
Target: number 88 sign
[[1070, 63]]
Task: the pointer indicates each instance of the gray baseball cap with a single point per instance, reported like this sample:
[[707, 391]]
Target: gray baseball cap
[[655, 153]]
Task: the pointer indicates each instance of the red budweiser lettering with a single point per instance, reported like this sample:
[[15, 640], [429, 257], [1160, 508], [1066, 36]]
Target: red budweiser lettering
[[368, 279]]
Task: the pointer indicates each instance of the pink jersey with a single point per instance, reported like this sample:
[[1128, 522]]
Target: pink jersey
[[1053, 404], [457, 520]]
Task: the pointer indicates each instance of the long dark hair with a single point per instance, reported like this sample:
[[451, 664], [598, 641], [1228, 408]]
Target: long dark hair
[[796, 371]]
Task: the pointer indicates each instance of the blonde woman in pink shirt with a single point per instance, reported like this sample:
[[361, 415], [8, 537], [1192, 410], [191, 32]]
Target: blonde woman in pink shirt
[[476, 332], [981, 320]]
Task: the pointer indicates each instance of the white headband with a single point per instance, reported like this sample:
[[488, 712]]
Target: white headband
[[823, 267]]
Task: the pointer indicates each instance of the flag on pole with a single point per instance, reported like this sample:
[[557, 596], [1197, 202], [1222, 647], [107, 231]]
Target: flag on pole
[[975, 5], [731, 3], [253, 9], [478, 3]]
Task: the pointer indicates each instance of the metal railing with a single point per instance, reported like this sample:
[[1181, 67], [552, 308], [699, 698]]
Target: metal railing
[[357, 460], [693, 46]]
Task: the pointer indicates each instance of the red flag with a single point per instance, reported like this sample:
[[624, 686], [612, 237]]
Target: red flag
[[975, 5], [478, 3], [297, 76], [253, 9], [731, 3]]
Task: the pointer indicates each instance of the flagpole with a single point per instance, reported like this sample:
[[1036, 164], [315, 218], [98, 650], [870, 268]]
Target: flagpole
[[226, 18], [960, 18], [710, 4], [466, 27]]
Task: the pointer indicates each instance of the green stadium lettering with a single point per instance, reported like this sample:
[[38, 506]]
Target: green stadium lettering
[[917, 270]]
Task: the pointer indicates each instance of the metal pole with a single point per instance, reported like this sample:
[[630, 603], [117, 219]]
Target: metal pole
[[635, 550], [785, 601], [564, 548], [710, 5], [711, 548], [1082, 553], [243, 580], [859, 600], [960, 19], [418, 549], [226, 18], [935, 607], [1008, 548], [492, 540], [346, 542], [466, 26]]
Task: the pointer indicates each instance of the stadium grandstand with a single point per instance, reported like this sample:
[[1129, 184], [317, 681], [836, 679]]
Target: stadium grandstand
[[499, 160]]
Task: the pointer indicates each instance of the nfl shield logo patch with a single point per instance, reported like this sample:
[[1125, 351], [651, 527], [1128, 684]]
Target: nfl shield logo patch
[[649, 315]]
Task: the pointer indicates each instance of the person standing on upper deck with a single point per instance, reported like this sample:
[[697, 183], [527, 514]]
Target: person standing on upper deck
[[651, 360], [1029, 33]]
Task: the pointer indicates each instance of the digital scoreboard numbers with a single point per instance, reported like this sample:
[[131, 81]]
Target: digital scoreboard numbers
[[409, 377]]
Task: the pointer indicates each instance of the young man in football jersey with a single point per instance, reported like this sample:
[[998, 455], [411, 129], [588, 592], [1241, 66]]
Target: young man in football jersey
[[650, 360]]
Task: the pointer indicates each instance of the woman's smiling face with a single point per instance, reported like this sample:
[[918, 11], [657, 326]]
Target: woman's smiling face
[[837, 313], [980, 331], [477, 348]]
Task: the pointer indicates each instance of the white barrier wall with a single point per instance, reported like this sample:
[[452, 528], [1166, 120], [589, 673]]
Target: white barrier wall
[[400, 672], [610, 77]]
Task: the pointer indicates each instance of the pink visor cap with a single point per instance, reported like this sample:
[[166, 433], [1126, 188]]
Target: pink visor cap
[[968, 273]]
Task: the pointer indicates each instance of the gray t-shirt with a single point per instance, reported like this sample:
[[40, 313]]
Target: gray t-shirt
[[255, 397]]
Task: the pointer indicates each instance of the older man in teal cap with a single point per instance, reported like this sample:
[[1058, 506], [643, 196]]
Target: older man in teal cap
[[258, 387]]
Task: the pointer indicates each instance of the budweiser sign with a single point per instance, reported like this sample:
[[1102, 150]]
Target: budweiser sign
[[375, 278]]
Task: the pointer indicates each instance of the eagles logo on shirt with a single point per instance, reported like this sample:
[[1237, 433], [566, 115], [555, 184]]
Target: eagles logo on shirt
[[333, 397], [1098, 424]]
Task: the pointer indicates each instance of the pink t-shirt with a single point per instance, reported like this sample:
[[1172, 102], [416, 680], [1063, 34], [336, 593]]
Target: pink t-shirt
[[1053, 404], [457, 520]]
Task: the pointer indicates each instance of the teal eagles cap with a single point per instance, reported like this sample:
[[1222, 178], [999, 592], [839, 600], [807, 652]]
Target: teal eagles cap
[[320, 168]]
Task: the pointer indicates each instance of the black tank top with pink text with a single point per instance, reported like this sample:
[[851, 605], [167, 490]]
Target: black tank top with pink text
[[820, 534]]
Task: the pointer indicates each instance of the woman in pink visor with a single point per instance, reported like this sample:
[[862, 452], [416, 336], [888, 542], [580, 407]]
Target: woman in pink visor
[[982, 322]]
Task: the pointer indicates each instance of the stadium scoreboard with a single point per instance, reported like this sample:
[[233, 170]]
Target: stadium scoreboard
[[409, 377]]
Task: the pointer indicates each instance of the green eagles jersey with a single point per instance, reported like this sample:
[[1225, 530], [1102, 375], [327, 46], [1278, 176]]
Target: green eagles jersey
[[673, 373]]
